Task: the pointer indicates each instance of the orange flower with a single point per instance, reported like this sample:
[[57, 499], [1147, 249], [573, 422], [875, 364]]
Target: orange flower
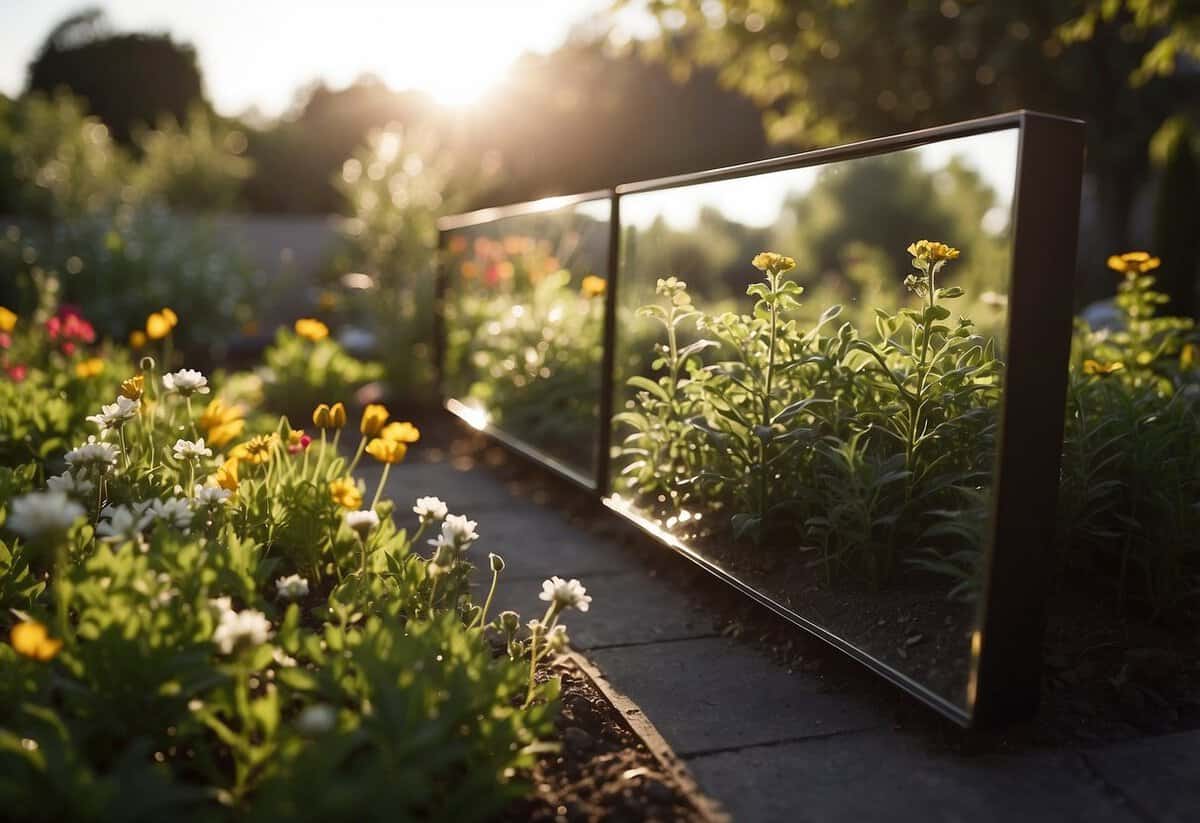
[[137, 339], [132, 387], [157, 326], [401, 433], [387, 451], [593, 286], [1096, 368], [89, 368], [1133, 263], [8, 319], [311, 329], [227, 476], [256, 450], [221, 423], [31, 639]]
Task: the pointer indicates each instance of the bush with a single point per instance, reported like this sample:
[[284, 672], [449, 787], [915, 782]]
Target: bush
[[201, 635], [309, 368]]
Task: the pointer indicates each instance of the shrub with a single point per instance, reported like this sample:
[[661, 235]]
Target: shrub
[[306, 367]]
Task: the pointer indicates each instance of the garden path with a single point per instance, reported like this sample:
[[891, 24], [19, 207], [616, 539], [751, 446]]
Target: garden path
[[767, 741]]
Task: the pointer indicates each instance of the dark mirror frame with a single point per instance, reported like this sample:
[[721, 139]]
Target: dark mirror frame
[[1005, 670]]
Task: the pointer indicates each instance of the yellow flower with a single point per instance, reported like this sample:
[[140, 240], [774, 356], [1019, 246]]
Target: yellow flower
[[137, 339], [320, 417], [337, 416], [170, 316], [1133, 263], [227, 476], [373, 418], [593, 286], [772, 262], [346, 494], [931, 251], [30, 639], [132, 387], [1187, 356], [157, 326], [401, 433], [89, 368], [221, 423], [256, 450], [311, 329], [8, 320], [387, 451], [1095, 367]]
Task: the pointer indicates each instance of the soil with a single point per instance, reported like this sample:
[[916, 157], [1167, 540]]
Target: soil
[[604, 771]]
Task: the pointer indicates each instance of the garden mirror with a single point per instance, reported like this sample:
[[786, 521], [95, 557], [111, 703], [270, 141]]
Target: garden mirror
[[822, 425], [523, 325]]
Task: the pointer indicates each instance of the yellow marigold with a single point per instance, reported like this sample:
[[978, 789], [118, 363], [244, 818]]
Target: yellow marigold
[[8, 320], [227, 475], [401, 432], [387, 451], [1095, 367], [345, 493], [1133, 263], [256, 450], [931, 251], [374, 417], [157, 326], [772, 262], [31, 639], [132, 387], [593, 286], [311, 329], [89, 368], [137, 339]]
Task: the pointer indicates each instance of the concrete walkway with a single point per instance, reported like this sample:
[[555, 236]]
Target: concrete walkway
[[766, 742]]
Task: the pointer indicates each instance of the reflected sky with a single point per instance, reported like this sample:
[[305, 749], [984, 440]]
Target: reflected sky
[[757, 201]]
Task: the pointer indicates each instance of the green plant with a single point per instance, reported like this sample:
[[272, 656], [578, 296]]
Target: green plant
[[302, 372]]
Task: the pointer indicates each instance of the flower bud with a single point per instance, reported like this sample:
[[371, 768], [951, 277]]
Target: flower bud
[[497, 562]]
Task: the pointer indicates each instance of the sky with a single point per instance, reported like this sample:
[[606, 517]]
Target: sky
[[259, 52]]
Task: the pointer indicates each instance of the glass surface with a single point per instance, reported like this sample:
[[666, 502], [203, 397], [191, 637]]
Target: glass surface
[[524, 309], [833, 448]]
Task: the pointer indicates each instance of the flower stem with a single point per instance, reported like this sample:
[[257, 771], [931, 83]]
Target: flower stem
[[382, 482]]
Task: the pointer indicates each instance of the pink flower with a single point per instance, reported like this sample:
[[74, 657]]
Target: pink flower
[[18, 373]]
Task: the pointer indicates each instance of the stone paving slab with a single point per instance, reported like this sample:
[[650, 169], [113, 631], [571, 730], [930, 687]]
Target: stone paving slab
[[714, 694], [881, 776], [628, 607], [1159, 775], [537, 542]]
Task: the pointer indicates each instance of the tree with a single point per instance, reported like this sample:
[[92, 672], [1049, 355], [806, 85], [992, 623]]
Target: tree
[[827, 71], [128, 80]]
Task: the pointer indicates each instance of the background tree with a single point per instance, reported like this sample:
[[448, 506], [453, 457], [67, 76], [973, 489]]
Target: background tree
[[127, 79], [835, 70]]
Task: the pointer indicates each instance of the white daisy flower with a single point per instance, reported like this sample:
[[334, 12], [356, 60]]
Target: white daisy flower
[[430, 509], [457, 531], [121, 524], [191, 450], [42, 514], [93, 456], [362, 522], [115, 415], [210, 497], [565, 594], [174, 511], [71, 485], [244, 629], [557, 639], [186, 382], [292, 587]]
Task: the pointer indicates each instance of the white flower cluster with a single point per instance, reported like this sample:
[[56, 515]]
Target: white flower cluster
[[93, 457], [362, 522], [191, 449], [72, 485], [430, 509], [115, 415], [565, 594], [43, 514], [292, 587], [186, 382], [235, 630], [457, 532], [209, 497]]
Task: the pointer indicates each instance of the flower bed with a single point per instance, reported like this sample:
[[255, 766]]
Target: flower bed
[[205, 624]]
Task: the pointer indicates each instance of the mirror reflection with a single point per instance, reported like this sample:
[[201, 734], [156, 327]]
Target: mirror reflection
[[810, 364], [524, 308]]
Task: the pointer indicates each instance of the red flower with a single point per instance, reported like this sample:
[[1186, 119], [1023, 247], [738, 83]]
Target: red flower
[[17, 373], [5, 340]]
